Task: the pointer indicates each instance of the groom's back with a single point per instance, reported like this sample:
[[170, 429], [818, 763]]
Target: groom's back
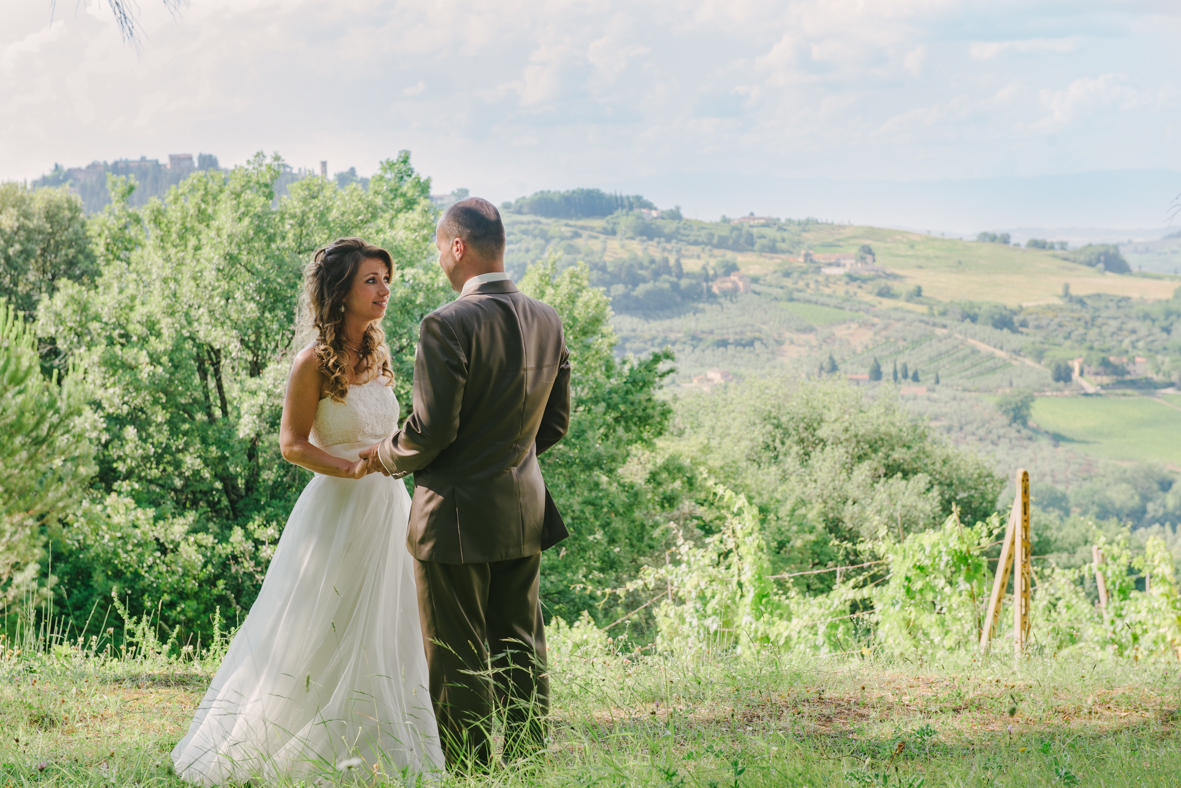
[[482, 498]]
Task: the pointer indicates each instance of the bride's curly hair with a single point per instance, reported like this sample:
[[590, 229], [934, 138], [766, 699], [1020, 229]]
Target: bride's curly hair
[[327, 280]]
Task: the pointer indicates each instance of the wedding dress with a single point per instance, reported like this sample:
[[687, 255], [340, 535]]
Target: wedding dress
[[327, 674]]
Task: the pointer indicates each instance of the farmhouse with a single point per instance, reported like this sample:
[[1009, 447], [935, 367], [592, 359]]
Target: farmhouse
[[754, 221], [712, 377], [734, 283]]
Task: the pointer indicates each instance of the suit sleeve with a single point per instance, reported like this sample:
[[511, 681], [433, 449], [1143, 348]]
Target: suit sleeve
[[440, 374], [556, 419]]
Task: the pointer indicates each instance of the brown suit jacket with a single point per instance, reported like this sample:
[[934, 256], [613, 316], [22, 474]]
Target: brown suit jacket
[[491, 392]]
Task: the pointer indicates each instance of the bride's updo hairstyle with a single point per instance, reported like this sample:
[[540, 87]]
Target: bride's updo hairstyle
[[327, 280]]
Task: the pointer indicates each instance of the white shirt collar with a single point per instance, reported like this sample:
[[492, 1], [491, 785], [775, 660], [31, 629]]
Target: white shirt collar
[[476, 281]]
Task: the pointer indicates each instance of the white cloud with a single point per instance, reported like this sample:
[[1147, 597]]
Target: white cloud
[[913, 62], [987, 50], [1080, 98], [526, 94], [30, 44]]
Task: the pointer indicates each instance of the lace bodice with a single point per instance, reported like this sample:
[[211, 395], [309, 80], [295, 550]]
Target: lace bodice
[[368, 414]]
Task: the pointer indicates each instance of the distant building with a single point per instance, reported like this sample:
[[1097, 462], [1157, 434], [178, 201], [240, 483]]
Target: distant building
[[755, 221], [180, 161], [651, 213], [734, 283], [908, 390], [91, 172], [713, 377], [324, 170], [858, 380]]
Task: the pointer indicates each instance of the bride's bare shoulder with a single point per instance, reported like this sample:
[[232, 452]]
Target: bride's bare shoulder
[[306, 369]]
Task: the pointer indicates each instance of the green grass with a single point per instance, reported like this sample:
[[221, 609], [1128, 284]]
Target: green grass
[[818, 315], [630, 719], [1121, 428]]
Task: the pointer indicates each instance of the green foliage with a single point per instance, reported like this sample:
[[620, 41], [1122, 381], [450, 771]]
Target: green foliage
[[993, 238], [1016, 406], [828, 468], [875, 370], [616, 412], [46, 456], [576, 204], [43, 240], [719, 594], [1105, 257], [937, 585], [184, 340]]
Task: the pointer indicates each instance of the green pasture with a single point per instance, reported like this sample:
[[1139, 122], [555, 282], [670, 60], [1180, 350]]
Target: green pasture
[[818, 315], [1120, 428]]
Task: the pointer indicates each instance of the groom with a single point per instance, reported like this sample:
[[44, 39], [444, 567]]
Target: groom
[[491, 392]]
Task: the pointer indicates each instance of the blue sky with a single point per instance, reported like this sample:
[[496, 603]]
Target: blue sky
[[721, 106]]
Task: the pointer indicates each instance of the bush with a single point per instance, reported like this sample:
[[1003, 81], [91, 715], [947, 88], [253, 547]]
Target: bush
[[1105, 257], [1016, 406]]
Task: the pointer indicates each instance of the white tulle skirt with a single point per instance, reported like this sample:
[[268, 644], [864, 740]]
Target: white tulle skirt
[[327, 674]]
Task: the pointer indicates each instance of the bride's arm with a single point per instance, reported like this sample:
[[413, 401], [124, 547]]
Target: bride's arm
[[299, 411]]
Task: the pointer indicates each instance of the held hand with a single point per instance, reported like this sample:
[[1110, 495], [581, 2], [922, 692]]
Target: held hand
[[357, 470], [369, 454]]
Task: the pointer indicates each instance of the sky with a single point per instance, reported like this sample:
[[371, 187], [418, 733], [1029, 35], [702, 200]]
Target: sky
[[947, 115]]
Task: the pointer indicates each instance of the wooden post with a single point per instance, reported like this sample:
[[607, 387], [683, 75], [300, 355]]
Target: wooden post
[[993, 613], [1100, 579], [1015, 548], [1023, 568]]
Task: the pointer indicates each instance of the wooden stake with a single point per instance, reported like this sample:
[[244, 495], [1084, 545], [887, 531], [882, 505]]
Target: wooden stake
[[1100, 579], [1015, 549], [1022, 569], [992, 613]]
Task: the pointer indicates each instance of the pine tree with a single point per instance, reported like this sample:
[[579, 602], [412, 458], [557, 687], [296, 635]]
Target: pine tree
[[936, 378], [830, 366], [914, 375], [895, 371], [875, 369], [904, 372]]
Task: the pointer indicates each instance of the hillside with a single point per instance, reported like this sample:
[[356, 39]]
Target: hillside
[[969, 316]]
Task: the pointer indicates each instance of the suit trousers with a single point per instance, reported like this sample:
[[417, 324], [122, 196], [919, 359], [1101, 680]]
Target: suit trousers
[[485, 651]]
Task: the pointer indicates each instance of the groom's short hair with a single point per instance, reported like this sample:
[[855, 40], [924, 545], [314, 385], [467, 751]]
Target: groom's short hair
[[478, 223]]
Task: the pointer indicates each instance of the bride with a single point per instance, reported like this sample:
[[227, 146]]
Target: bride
[[328, 671]]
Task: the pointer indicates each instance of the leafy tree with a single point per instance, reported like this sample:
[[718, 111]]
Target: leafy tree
[[1106, 257], [1037, 243], [617, 411], [1016, 406], [828, 468], [830, 366], [577, 204], [727, 266], [46, 456], [914, 375], [875, 369], [1062, 372], [43, 241], [184, 340]]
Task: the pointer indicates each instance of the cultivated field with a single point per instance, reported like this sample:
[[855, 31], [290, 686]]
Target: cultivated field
[[1121, 428]]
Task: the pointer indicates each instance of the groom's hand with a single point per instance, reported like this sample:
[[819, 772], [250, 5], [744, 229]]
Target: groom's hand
[[374, 462]]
